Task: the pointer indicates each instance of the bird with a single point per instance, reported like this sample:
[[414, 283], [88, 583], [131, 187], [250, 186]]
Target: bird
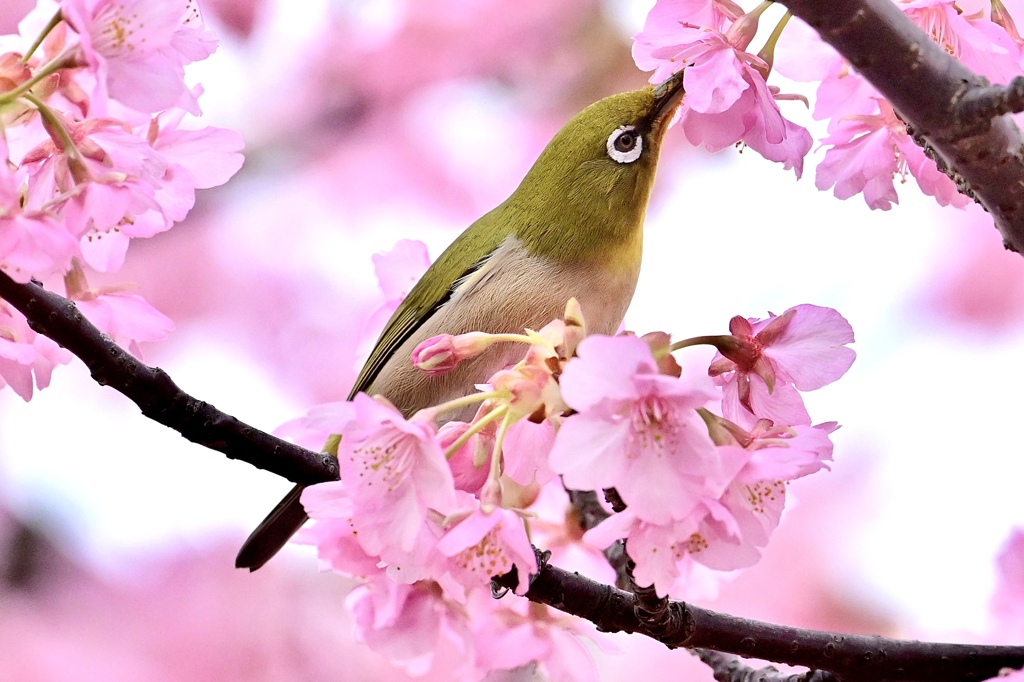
[[572, 228]]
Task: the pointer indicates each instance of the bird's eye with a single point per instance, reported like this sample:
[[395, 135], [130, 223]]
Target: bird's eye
[[625, 144]]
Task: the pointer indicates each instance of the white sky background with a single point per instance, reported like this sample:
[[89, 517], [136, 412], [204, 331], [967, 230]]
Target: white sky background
[[933, 412]]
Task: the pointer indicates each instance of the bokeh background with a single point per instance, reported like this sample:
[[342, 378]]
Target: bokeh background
[[367, 123]]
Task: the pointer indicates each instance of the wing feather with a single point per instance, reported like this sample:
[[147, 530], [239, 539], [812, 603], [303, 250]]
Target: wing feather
[[434, 289]]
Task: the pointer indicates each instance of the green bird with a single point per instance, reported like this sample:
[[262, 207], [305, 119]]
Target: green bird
[[573, 228]]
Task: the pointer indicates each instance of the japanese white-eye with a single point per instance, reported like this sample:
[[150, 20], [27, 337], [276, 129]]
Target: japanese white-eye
[[573, 228]]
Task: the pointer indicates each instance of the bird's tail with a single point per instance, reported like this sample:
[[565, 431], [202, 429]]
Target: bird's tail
[[272, 534]]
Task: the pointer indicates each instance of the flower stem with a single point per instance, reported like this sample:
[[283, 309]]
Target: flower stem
[[470, 399], [475, 428], [55, 126], [61, 61], [715, 341], [50, 25], [767, 52]]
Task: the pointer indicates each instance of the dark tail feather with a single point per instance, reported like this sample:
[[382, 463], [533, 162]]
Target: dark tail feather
[[271, 535]]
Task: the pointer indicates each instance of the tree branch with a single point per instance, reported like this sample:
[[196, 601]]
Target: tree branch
[[955, 110], [157, 395], [851, 657], [676, 624], [728, 669]]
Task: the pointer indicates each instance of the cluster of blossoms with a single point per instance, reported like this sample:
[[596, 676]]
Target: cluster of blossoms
[[429, 510], [98, 145], [866, 144]]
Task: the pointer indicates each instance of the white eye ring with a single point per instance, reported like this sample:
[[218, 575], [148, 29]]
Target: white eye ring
[[625, 144]]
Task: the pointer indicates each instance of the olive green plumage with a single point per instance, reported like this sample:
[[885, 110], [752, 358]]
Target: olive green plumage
[[573, 228]]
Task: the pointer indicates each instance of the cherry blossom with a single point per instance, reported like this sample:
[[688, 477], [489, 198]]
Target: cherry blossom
[[763, 364], [138, 49], [397, 271], [727, 99], [333, 533], [398, 480], [25, 357], [868, 151], [636, 430], [414, 626], [481, 545], [32, 243]]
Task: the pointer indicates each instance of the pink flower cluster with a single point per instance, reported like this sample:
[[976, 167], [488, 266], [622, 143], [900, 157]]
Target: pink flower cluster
[[99, 145], [428, 511], [866, 146], [727, 98]]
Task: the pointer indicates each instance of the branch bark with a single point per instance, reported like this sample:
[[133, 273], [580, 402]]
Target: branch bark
[[851, 657], [959, 114], [157, 395]]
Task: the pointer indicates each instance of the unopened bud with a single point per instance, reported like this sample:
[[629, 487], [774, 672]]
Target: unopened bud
[[442, 353]]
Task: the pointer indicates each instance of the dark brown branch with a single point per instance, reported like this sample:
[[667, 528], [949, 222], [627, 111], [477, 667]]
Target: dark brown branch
[[728, 669], [157, 395], [955, 110], [851, 657], [980, 105]]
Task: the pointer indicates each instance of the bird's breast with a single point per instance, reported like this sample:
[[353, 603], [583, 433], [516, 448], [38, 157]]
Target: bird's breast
[[513, 290]]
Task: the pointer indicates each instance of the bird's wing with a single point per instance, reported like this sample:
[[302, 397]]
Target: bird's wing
[[432, 291]]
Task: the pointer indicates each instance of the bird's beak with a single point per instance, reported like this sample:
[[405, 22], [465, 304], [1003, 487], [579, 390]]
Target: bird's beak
[[667, 96]]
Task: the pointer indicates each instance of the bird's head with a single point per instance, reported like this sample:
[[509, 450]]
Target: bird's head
[[590, 185]]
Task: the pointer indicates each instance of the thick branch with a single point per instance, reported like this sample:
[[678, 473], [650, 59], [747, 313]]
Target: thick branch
[[955, 110], [851, 657], [157, 395]]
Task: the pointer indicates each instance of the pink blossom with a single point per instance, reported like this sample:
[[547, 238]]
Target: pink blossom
[[24, 355], [787, 452], [727, 100], [526, 450], [333, 533], [557, 528], [1008, 600], [514, 635], [105, 187], [482, 545], [738, 525], [32, 243], [126, 318], [413, 626], [468, 462], [397, 271], [636, 430], [196, 159], [399, 483], [804, 349], [668, 28], [656, 549], [983, 46], [868, 151], [138, 49]]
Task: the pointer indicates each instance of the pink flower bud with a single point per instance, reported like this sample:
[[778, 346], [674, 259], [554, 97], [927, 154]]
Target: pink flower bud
[[440, 354]]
